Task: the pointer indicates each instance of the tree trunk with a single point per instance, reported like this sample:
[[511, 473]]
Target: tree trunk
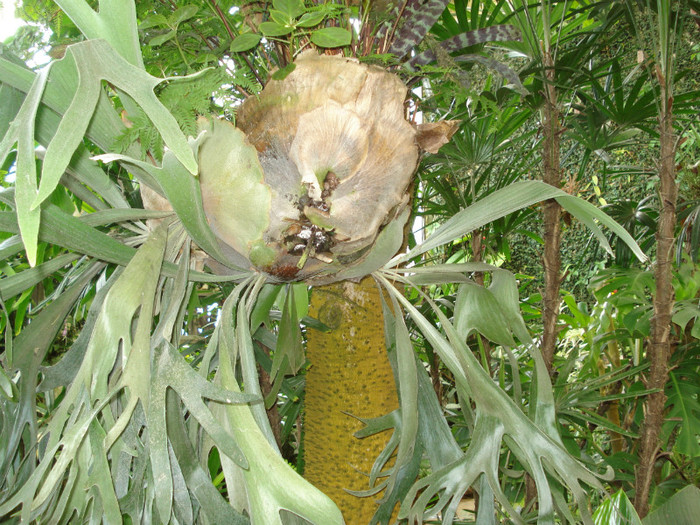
[[477, 256], [551, 258], [659, 348], [350, 375]]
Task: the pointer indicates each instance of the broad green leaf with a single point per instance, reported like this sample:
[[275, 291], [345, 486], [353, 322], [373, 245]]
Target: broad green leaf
[[103, 129], [281, 18], [245, 42], [94, 472], [685, 312], [62, 373], [683, 398], [292, 8], [311, 19], [181, 14], [162, 39], [682, 507], [266, 299], [249, 368], [31, 346], [289, 343], [441, 273], [89, 393], [505, 289], [12, 101], [587, 213], [301, 299], [493, 206], [331, 37], [616, 510], [58, 94], [113, 216], [434, 431], [387, 243], [68, 231], [498, 419], [173, 372], [153, 21], [212, 504], [273, 29], [408, 395]]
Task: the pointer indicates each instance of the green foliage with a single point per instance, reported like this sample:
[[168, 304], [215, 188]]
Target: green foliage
[[129, 386], [684, 410], [681, 508], [294, 21], [186, 99], [617, 509]]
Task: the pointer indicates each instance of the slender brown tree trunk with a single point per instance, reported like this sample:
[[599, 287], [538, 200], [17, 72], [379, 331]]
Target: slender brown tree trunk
[[551, 258], [350, 375], [612, 411], [659, 348], [477, 256]]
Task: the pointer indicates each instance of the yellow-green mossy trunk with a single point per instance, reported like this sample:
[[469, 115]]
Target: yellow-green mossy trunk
[[350, 374]]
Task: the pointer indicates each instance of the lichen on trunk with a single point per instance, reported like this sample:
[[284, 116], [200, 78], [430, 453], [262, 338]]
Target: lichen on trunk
[[350, 375]]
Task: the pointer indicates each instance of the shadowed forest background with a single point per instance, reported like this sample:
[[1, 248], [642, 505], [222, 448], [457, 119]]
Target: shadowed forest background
[[287, 261]]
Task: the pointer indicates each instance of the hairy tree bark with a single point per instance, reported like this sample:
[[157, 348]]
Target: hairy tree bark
[[551, 258], [350, 375], [659, 348]]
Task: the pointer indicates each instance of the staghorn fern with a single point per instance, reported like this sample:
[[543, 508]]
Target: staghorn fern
[[138, 417]]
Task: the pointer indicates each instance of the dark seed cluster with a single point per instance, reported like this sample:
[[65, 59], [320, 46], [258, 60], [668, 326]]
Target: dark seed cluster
[[303, 237]]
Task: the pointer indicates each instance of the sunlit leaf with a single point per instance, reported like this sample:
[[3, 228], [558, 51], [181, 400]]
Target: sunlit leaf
[[311, 19], [682, 507], [182, 13], [616, 510], [245, 42], [274, 29], [331, 37]]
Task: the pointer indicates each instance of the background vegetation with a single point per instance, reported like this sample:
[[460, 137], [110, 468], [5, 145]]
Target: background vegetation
[[598, 99]]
